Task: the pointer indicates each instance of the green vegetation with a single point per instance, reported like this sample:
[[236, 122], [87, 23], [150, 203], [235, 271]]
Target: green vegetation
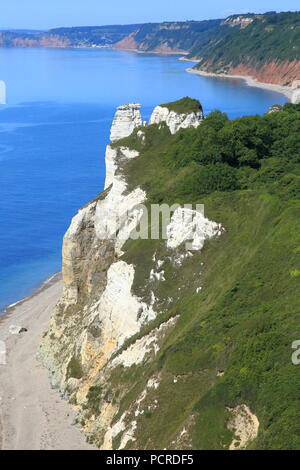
[[269, 37], [74, 369], [178, 36], [246, 316], [185, 105], [94, 398], [251, 152]]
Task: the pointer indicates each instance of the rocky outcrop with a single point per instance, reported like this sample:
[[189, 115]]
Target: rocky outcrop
[[175, 120], [126, 119], [113, 157]]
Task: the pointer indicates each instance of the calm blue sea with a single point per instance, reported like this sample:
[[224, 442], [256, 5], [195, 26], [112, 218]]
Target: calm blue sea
[[53, 133]]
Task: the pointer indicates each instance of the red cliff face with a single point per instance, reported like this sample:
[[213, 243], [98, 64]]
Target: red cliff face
[[278, 73]]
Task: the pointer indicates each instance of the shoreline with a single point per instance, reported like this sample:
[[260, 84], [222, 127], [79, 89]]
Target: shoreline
[[33, 415], [158, 53], [250, 81], [42, 286], [13, 314]]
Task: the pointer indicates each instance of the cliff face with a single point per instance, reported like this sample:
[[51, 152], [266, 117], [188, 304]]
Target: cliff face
[[284, 73], [103, 323]]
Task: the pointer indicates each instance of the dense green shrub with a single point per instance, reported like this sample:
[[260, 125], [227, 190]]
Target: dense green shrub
[[94, 397], [220, 155]]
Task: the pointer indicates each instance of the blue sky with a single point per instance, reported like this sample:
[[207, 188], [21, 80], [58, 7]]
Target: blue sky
[[42, 14]]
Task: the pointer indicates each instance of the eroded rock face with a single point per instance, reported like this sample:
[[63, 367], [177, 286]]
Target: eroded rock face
[[127, 118], [119, 213], [175, 121], [113, 157], [97, 311], [244, 425], [121, 313]]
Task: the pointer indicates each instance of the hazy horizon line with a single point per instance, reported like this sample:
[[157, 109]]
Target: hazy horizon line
[[138, 23]]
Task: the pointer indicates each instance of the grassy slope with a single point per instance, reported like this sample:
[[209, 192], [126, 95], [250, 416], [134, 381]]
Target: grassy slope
[[185, 105], [270, 37], [243, 321]]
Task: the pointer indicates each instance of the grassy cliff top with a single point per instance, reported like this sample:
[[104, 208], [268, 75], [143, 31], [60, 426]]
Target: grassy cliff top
[[185, 105]]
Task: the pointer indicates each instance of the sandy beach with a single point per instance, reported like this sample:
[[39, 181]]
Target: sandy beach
[[287, 91], [32, 415]]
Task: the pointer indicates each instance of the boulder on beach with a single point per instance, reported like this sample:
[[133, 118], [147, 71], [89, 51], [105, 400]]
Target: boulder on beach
[[15, 330]]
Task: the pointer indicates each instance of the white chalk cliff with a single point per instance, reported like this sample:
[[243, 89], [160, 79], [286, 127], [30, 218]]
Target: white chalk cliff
[[127, 118], [100, 310], [296, 96], [175, 120]]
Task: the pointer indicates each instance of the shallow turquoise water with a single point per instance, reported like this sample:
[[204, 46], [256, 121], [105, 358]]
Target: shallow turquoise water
[[53, 134]]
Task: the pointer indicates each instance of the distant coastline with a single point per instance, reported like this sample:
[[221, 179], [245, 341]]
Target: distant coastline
[[44, 285]]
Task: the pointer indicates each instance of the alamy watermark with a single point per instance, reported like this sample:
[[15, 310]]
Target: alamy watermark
[[296, 353], [155, 222]]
